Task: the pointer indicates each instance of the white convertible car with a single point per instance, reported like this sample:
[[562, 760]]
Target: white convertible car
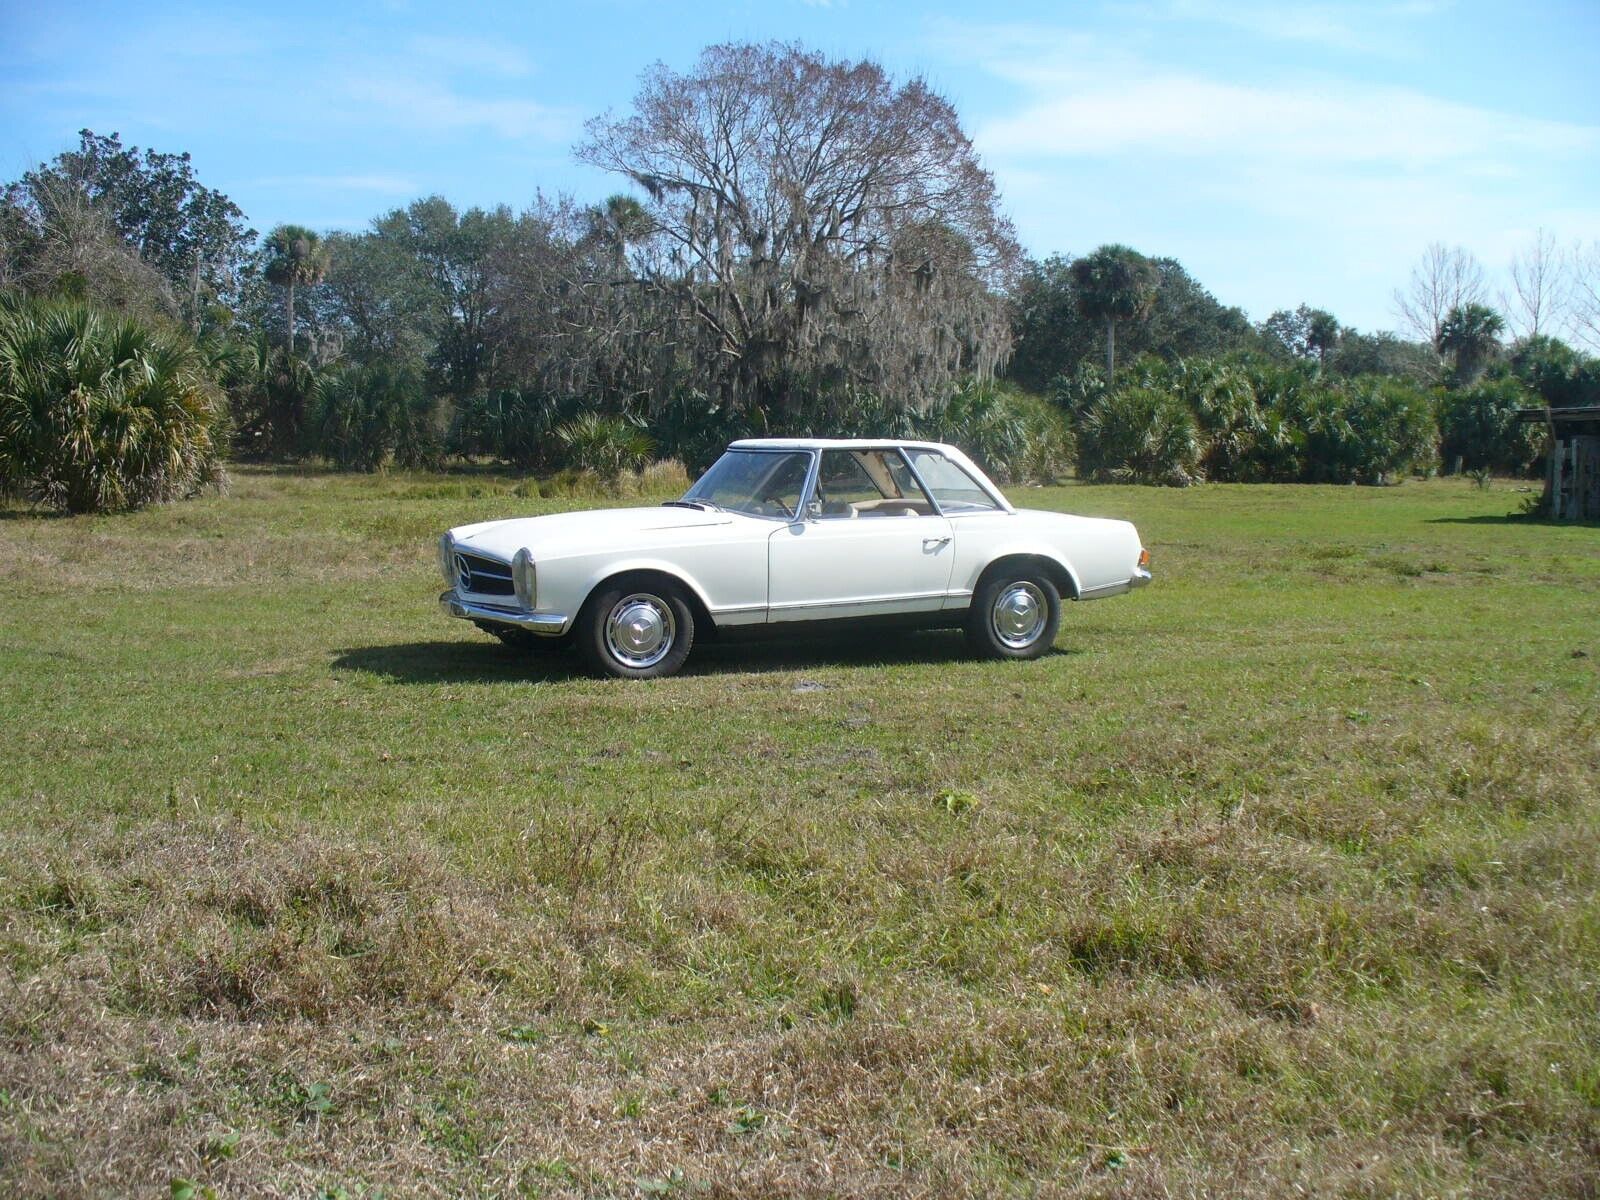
[[787, 530]]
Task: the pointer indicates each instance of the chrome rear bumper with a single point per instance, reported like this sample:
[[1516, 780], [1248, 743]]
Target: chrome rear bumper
[[548, 624], [1140, 578]]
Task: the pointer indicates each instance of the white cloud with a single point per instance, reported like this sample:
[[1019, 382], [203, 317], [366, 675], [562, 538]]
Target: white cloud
[[1368, 28], [1085, 112], [394, 98]]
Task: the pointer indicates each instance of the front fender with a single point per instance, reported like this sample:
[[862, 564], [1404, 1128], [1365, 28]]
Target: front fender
[[730, 598]]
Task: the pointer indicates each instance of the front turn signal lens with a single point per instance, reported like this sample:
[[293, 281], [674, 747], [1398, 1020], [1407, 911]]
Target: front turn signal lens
[[523, 579], [447, 555], [1144, 557]]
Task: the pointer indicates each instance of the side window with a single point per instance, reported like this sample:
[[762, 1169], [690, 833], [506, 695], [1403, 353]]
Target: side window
[[952, 487], [854, 484]]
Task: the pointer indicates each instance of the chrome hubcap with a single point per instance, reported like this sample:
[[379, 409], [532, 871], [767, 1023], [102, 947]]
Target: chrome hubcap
[[640, 631], [1019, 615]]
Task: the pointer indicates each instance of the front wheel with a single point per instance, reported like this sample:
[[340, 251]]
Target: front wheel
[[640, 632], [1014, 614]]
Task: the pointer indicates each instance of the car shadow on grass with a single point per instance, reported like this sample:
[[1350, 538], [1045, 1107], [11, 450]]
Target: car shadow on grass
[[1511, 519], [454, 662], [488, 662]]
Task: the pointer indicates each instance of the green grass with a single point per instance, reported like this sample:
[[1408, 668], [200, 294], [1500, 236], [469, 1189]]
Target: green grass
[[1277, 876]]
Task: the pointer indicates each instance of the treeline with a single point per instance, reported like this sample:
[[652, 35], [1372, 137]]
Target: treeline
[[806, 246], [1299, 397]]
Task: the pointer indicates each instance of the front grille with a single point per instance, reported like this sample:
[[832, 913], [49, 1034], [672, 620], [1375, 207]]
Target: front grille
[[484, 576]]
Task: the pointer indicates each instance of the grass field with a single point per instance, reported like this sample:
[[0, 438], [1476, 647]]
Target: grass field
[[1278, 877]]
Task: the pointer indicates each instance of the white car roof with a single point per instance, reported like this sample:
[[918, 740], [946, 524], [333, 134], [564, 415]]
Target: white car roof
[[833, 444]]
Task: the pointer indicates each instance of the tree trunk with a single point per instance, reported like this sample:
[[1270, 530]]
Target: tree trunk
[[1111, 349], [288, 314]]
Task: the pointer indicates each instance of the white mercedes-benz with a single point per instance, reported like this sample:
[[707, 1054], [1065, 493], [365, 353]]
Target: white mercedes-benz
[[787, 530]]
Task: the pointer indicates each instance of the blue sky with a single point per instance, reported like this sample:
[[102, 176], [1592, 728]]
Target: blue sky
[[1284, 153]]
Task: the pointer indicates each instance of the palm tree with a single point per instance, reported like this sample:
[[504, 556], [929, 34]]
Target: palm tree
[[100, 413], [619, 223], [1470, 335], [296, 256], [1115, 283], [1322, 335]]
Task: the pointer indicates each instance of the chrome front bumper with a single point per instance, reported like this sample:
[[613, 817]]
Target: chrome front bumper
[[1140, 578], [548, 624]]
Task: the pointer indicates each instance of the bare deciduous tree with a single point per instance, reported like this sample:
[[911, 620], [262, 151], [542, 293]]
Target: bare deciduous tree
[[1584, 278], [53, 238], [821, 226], [1446, 277], [1539, 297]]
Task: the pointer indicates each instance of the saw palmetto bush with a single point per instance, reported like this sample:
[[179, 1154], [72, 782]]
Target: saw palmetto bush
[[269, 391], [102, 413], [1139, 434], [509, 424], [603, 444], [1479, 426], [364, 417], [1371, 430]]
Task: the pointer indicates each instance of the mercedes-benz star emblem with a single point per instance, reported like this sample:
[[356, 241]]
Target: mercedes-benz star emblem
[[463, 573]]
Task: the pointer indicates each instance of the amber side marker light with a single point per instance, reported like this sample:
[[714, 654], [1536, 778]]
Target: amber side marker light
[[1144, 557]]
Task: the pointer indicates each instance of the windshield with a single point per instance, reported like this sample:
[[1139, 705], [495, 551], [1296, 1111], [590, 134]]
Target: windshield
[[760, 483]]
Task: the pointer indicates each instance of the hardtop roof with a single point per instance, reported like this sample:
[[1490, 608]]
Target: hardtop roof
[[834, 444]]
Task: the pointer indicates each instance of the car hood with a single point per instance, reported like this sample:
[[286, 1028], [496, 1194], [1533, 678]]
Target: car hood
[[596, 529]]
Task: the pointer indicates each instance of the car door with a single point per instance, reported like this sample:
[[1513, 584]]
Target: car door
[[871, 544]]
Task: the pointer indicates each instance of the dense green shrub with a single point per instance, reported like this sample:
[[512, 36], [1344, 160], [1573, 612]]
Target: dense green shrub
[[1249, 419], [99, 413], [1555, 373], [511, 425], [362, 417], [1139, 434], [1073, 392], [1238, 404], [695, 430], [269, 390], [1478, 425], [605, 445], [1365, 431]]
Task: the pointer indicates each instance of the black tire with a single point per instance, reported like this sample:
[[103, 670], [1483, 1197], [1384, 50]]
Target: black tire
[[1015, 613], [636, 631]]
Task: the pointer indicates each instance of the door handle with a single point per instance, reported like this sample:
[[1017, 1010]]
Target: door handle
[[935, 543]]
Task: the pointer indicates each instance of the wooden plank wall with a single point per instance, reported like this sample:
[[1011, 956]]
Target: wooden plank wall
[[1574, 480]]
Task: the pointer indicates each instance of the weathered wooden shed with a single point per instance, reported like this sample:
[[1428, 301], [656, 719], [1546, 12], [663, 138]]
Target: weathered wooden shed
[[1572, 461]]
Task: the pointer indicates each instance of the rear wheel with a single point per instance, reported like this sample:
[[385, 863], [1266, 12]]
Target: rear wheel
[[640, 631], [1015, 614]]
